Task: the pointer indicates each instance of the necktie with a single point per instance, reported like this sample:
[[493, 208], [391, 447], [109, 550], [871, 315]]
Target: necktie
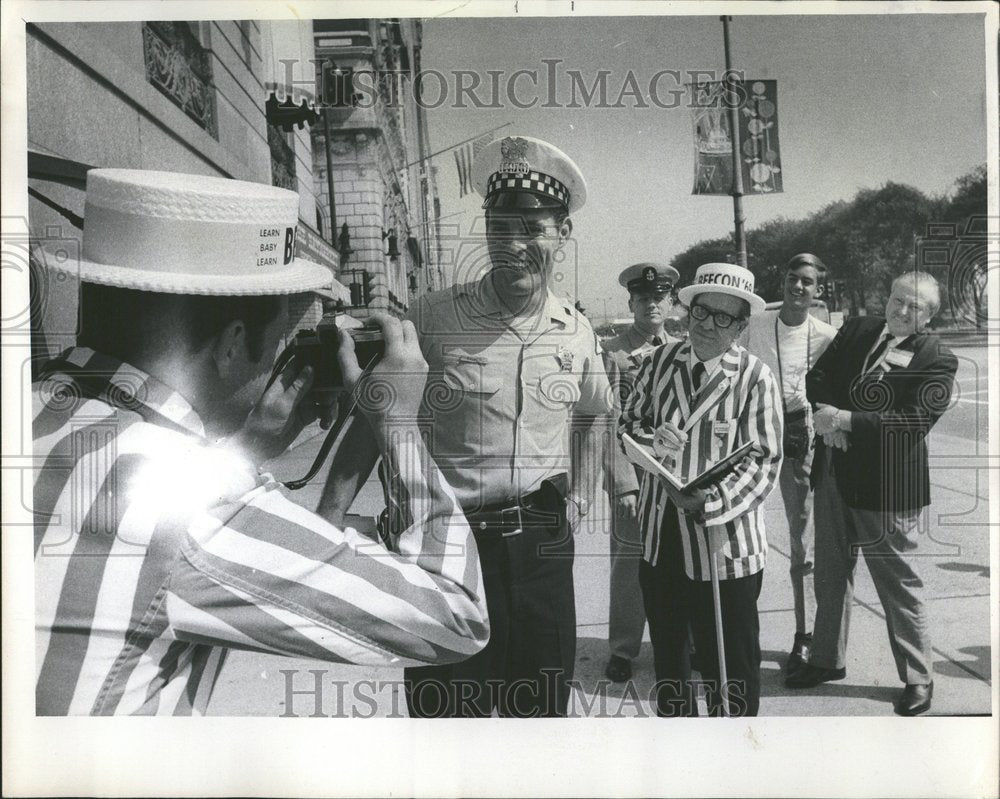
[[656, 341], [872, 360], [698, 376]]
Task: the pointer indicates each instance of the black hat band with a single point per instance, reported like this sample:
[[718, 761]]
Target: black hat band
[[534, 182], [641, 284]]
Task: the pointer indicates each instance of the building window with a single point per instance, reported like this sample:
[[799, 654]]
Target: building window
[[179, 66], [282, 158]]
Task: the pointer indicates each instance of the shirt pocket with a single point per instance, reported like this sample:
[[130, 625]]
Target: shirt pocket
[[470, 378], [558, 391]]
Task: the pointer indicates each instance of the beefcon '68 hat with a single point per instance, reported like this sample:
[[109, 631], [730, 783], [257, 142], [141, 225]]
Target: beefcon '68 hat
[[522, 172], [725, 279], [190, 234]]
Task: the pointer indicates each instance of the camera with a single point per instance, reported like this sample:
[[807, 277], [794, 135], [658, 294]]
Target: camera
[[318, 349]]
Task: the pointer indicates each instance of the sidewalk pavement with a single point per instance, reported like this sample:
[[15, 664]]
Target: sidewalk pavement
[[956, 576], [955, 570]]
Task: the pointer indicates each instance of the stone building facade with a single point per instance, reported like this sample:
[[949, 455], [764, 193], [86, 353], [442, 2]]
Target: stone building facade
[[208, 97], [384, 188]]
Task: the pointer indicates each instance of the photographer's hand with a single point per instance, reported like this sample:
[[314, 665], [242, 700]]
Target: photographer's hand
[[279, 416], [395, 387]]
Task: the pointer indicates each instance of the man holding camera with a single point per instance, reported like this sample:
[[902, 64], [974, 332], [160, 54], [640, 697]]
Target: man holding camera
[[158, 545], [790, 340], [649, 289], [517, 389]]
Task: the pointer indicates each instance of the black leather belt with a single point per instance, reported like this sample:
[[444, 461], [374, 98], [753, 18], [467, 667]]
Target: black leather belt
[[544, 505]]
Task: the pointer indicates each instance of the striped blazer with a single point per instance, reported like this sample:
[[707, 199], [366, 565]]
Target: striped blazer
[[739, 403], [156, 553]]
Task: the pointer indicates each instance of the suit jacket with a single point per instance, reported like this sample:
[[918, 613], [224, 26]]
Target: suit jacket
[[623, 355], [885, 467], [738, 404]]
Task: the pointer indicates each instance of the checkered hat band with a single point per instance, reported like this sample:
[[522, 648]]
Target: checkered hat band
[[535, 182]]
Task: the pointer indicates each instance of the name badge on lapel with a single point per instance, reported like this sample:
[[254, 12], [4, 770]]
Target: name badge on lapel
[[899, 358], [720, 430]]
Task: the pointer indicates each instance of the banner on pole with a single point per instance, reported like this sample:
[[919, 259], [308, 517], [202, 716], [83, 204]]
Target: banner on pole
[[760, 153]]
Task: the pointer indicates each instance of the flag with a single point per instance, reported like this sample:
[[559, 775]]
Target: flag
[[758, 136], [464, 157]]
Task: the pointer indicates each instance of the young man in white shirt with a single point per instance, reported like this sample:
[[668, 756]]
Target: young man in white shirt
[[790, 341]]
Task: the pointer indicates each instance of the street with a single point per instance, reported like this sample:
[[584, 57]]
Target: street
[[955, 570]]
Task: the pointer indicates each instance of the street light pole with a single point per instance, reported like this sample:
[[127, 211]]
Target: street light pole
[[329, 176], [732, 100]]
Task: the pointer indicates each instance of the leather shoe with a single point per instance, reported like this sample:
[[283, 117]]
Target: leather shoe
[[619, 669], [915, 699], [799, 655], [809, 676]]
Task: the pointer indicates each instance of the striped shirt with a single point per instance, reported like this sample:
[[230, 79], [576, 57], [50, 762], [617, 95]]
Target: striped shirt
[[155, 553], [739, 403]]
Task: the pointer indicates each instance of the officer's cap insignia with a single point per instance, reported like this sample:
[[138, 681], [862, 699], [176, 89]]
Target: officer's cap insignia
[[514, 155]]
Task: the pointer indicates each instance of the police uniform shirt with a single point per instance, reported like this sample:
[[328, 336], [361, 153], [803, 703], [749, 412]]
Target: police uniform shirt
[[500, 392]]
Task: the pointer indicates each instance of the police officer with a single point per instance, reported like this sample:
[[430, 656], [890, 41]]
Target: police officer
[[650, 287], [516, 394]]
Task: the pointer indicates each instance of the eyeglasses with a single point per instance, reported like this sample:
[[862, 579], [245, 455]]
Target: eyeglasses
[[721, 319]]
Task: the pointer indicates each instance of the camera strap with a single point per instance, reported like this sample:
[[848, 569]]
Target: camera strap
[[334, 433], [777, 348], [98, 386]]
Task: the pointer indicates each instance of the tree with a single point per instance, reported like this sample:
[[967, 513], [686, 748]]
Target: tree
[[865, 243], [968, 265]]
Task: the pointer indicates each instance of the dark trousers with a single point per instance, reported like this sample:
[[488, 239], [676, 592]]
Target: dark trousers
[[673, 602], [525, 669]]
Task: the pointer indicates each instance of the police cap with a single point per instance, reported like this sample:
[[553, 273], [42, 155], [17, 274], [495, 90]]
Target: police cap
[[523, 172]]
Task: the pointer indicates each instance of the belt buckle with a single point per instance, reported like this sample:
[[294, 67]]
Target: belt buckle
[[520, 524]]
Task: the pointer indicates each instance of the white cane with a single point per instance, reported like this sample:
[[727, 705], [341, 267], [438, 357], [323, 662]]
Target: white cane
[[720, 645]]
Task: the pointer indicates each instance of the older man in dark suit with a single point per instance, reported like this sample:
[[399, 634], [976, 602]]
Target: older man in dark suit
[[878, 389]]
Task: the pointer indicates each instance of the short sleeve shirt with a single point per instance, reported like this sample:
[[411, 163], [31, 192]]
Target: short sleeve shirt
[[501, 393]]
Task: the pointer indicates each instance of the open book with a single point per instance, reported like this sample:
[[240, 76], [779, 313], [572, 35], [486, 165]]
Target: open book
[[643, 456]]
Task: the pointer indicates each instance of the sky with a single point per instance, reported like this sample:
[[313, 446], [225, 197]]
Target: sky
[[862, 100]]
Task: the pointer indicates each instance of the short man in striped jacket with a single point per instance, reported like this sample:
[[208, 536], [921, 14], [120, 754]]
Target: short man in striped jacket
[[695, 402], [158, 545]]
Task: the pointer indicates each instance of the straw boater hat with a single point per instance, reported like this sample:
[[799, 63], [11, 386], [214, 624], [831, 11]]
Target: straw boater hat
[[522, 172], [724, 279], [190, 234]]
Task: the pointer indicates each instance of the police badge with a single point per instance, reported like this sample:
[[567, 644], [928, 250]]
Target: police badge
[[565, 359]]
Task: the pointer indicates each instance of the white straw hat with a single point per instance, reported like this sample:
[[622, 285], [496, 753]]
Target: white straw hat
[[190, 234], [724, 279]]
